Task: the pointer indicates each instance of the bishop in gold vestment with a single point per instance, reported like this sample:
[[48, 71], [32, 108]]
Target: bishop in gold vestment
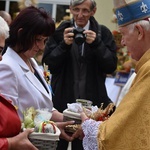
[[129, 127]]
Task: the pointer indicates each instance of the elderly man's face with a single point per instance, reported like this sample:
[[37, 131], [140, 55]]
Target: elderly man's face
[[81, 13], [132, 39]]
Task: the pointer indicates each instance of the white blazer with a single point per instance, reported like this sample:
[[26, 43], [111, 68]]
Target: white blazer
[[19, 84]]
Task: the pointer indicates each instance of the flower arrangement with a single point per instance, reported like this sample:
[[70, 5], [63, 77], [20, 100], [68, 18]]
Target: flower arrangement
[[47, 74], [124, 61]]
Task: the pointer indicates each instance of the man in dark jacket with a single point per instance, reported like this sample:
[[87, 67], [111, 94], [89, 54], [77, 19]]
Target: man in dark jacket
[[79, 55]]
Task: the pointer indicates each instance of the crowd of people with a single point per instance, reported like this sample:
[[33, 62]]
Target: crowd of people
[[79, 54]]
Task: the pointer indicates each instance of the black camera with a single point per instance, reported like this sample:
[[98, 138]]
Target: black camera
[[79, 36]]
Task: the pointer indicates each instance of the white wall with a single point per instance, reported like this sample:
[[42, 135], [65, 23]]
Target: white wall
[[104, 13]]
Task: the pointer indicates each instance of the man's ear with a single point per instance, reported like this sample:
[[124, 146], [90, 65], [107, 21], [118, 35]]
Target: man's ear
[[93, 11], [70, 9], [140, 31]]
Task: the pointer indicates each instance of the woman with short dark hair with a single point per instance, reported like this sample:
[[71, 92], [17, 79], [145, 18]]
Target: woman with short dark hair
[[10, 123], [21, 79]]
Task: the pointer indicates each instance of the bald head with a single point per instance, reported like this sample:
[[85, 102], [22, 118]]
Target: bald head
[[6, 16]]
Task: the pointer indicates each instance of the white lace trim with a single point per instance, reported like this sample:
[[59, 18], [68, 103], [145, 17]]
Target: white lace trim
[[90, 129]]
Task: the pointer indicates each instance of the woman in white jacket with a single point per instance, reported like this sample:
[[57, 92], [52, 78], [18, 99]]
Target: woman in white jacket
[[21, 79]]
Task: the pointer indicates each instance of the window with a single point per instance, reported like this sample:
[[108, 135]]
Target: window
[[13, 9], [48, 7], [2, 5], [61, 13], [57, 8]]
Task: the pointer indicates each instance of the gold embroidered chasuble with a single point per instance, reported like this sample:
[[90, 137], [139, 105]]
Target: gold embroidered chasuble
[[129, 127]]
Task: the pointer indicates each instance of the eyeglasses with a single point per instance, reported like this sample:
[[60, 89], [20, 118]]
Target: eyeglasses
[[1, 50], [85, 12]]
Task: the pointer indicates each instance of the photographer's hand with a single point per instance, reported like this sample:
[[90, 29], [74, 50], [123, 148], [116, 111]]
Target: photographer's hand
[[90, 36], [68, 36]]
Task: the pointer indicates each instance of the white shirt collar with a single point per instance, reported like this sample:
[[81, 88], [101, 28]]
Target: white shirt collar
[[86, 27]]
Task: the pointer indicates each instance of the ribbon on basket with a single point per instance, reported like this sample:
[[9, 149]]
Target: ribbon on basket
[[47, 126]]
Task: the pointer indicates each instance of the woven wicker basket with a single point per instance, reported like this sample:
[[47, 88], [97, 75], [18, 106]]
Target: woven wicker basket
[[45, 141], [44, 144], [68, 115]]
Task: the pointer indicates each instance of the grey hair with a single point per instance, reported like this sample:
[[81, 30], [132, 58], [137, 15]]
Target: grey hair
[[4, 28], [78, 2], [144, 23]]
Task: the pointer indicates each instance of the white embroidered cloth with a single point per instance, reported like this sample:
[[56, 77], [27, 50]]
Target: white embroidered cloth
[[90, 129]]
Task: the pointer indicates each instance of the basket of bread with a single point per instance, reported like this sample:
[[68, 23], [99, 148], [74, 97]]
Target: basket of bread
[[74, 110]]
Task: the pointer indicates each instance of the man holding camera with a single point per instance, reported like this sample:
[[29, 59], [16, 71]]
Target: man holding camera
[[79, 55]]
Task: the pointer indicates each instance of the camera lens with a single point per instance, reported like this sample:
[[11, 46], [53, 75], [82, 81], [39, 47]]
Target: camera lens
[[79, 36], [79, 39]]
